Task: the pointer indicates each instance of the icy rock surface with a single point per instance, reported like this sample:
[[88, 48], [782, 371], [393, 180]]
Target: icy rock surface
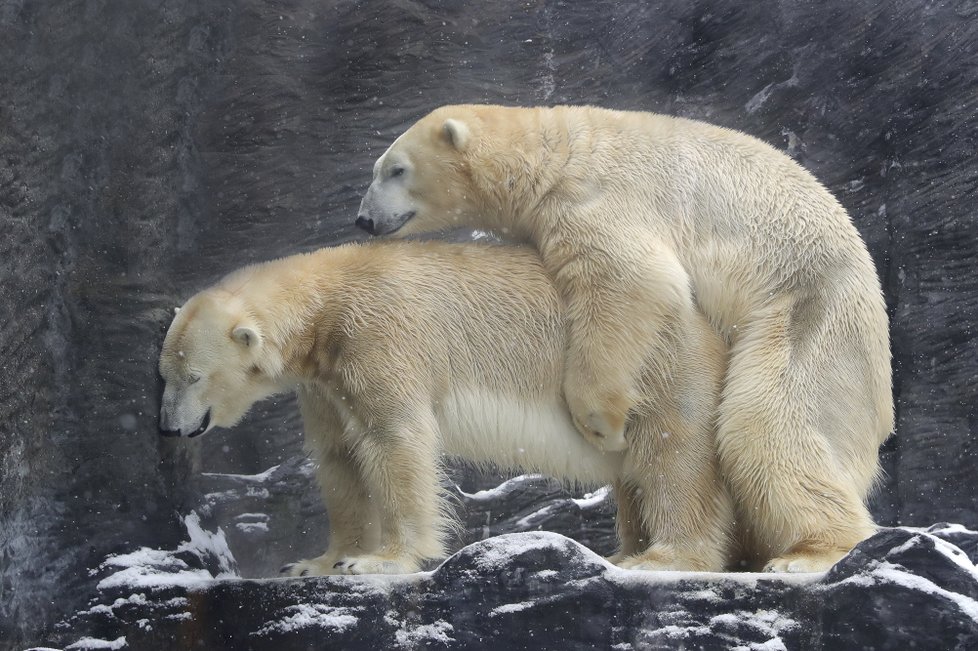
[[902, 588]]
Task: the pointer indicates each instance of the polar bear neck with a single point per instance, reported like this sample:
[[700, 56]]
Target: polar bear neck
[[533, 160], [516, 161], [295, 303]]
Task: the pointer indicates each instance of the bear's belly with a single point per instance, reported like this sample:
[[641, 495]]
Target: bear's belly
[[517, 434]]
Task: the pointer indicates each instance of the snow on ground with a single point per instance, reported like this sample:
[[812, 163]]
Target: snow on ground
[[91, 643], [251, 522], [320, 616], [502, 489], [512, 608], [896, 574], [259, 478], [150, 568], [497, 552], [593, 499], [411, 637]]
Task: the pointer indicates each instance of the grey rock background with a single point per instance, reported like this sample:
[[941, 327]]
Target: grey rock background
[[147, 148]]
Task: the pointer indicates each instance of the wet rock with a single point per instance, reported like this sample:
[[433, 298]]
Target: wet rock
[[900, 589]]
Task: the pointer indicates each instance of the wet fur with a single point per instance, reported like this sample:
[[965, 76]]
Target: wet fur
[[645, 222], [403, 352]]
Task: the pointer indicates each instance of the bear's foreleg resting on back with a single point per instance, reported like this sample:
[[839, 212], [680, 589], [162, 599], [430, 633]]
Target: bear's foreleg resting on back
[[629, 307]]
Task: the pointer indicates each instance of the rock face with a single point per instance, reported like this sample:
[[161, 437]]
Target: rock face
[[897, 590], [147, 148]]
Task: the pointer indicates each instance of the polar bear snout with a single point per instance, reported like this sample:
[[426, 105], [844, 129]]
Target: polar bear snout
[[366, 224], [170, 425], [384, 209], [181, 415], [383, 226]]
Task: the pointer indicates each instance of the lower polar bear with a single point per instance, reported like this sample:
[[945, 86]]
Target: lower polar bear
[[404, 351], [644, 222]]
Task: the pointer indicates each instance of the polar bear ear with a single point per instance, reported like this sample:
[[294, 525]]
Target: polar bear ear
[[247, 336], [458, 133]]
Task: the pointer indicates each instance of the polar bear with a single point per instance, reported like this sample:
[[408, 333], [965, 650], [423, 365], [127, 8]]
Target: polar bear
[[403, 351], [641, 221]]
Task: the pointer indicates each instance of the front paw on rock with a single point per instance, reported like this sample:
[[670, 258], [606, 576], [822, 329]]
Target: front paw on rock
[[301, 568], [374, 565]]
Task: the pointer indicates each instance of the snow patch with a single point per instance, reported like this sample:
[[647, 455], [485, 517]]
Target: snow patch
[[757, 101], [896, 574], [593, 499], [945, 528], [151, 568], [420, 635], [529, 521], [497, 552], [624, 577], [87, 643], [335, 618], [766, 622], [502, 490], [260, 478], [511, 608]]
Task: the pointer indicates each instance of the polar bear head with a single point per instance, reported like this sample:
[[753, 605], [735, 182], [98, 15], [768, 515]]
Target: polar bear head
[[215, 364], [424, 181]]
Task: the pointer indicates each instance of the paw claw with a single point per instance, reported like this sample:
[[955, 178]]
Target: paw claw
[[372, 564]]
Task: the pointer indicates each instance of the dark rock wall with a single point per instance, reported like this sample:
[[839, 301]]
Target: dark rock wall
[[147, 148]]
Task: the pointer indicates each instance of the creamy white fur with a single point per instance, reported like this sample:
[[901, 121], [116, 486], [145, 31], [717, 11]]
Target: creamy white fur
[[645, 222], [405, 352], [530, 435]]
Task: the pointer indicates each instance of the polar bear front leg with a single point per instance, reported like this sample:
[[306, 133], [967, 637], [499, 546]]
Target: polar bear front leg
[[354, 522], [629, 306], [401, 472]]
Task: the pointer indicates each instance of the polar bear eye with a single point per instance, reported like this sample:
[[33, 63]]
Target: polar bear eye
[[397, 171], [194, 379]]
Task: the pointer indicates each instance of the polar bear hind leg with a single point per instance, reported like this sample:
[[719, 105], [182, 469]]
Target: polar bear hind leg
[[800, 490]]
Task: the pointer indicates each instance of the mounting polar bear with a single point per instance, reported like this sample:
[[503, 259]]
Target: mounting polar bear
[[643, 219], [403, 351]]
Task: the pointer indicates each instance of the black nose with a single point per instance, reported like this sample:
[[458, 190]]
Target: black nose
[[366, 224]]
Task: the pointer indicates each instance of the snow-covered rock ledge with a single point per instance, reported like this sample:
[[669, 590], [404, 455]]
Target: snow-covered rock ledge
[[899, 589]]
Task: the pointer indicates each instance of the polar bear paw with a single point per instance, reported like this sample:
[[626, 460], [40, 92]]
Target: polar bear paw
[[320, 566], [604, 430], [809, 561], [647, 564], [601, 432], [665, 558], [374, 564]]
